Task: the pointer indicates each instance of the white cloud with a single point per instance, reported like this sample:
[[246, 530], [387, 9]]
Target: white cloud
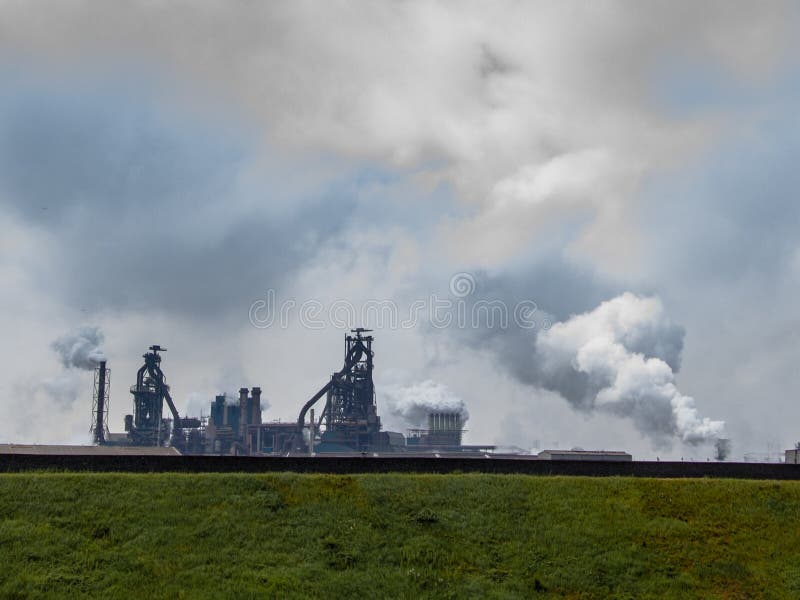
[[621, 351], [414, 402]]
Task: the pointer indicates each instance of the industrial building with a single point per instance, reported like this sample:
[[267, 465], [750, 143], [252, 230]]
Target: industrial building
[[348, 420], [229, 426], [99, 450], [585, 455]]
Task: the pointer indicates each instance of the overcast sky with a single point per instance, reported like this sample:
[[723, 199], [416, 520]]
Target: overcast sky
[[627, 167]]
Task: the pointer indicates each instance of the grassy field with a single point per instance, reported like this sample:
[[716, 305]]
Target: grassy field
[[396, 536]]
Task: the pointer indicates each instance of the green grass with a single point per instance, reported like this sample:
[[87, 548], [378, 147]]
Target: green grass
[[395, 536]]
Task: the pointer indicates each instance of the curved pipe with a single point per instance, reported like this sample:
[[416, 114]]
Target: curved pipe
[[355, 354]]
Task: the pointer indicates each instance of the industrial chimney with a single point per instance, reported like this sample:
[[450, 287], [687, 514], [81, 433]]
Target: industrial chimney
[[444, 428], [244, 411], [100, 403], [255, 406]]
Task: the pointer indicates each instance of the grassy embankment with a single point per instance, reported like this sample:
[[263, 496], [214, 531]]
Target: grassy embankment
[[396, 536]]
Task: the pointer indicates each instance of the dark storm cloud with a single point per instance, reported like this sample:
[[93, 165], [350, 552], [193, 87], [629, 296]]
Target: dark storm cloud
[[150, 208]]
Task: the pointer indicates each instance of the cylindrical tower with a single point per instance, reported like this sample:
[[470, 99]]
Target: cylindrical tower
[[100, 404]]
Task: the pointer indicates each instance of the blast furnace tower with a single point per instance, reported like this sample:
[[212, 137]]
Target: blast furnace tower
[[350, 415]]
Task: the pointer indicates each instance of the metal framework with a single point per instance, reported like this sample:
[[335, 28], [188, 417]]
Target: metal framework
[[149, 393], [350, 415], [100, 403]]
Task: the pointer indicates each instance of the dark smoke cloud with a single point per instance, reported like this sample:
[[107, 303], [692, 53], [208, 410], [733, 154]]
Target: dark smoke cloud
[[147, 208], [558, 289], [617, 356]]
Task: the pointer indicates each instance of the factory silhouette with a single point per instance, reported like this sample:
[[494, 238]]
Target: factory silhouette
[[347, 421]]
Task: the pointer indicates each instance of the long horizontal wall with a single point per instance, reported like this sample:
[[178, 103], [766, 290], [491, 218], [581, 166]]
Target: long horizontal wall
[[384, 464]]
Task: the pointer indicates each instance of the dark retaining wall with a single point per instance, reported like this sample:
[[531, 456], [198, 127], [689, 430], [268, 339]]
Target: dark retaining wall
[[384, 464]]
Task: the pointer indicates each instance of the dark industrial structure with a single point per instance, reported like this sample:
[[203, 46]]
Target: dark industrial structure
[[229, 427], [348, 422], [100, 400], [444, 430], [146, 426]]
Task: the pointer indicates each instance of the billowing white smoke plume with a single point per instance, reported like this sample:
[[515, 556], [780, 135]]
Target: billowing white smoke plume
[[621, 358], [80, 348], [412, 403]]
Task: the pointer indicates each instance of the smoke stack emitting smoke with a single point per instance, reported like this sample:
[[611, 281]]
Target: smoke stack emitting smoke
[[80, 348], [414, 402], [621, 358]]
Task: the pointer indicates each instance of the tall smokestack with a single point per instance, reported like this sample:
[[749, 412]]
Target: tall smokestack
[[244, 413], [255, 406], [100, 401]]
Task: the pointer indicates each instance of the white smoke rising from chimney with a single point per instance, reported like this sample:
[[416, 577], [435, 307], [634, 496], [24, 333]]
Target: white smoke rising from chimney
[[617, 358], [414, 402], [56, 396], [80, 348]]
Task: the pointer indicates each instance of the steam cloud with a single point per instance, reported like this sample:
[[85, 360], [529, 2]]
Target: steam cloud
[[80, 348], [412, 403], [77, 350], [621, 358]]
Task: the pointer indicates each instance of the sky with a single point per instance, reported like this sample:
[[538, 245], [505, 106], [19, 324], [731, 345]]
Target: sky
[[243, 182]]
